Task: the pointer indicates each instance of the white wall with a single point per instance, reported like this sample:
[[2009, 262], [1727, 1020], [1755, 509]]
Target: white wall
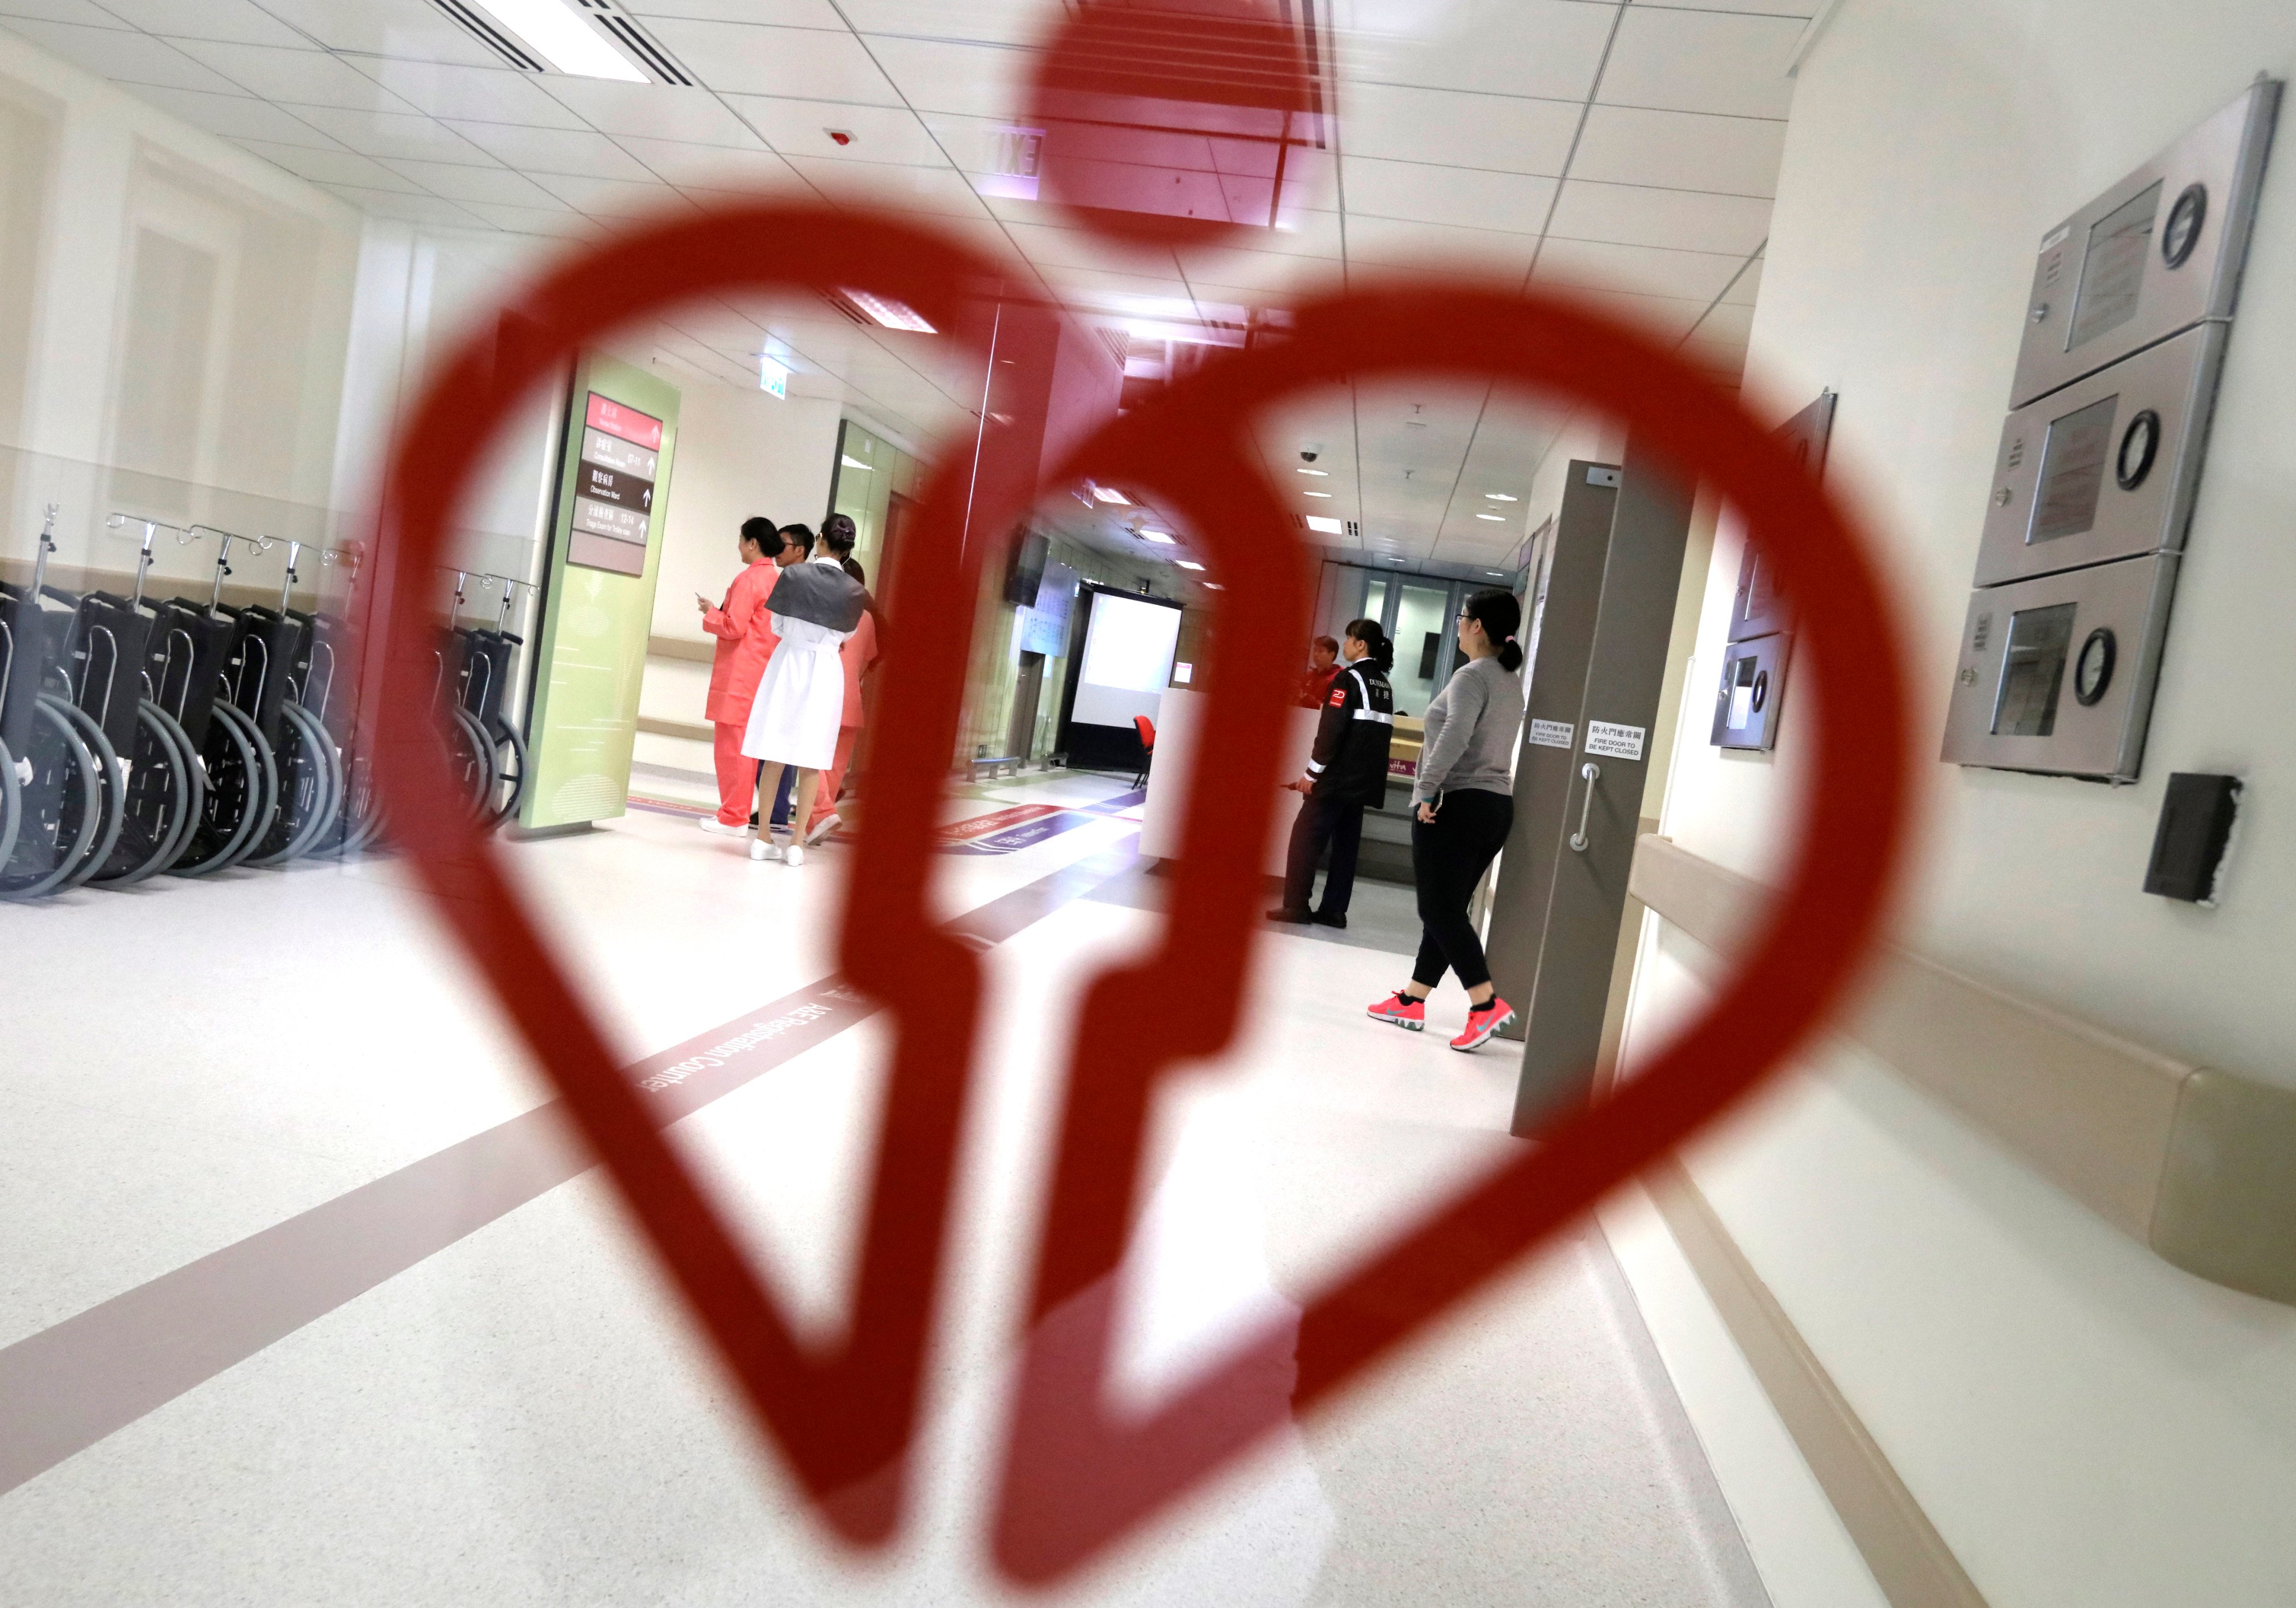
[[739, 452], [2084, 1424]]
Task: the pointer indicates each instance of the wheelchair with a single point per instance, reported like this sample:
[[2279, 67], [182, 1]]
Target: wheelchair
[[197, 643], [265, 675], [488, 667], [65, 795]]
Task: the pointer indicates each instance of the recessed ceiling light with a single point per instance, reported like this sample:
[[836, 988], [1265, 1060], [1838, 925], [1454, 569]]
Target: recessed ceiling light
[[1162, 539], [1320, 494], [1327, 526], [565, 40], [1501, 497], [1109, 494], [1186, 564], [1501, 518], [851, 462], [883, 309], [1319, 473], [1213, 585]]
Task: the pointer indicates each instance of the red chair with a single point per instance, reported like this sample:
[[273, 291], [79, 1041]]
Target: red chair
[[1147, 730]]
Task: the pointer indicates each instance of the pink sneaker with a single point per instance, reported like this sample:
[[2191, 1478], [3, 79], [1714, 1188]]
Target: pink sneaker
[[1482, 1021], [1402, 1009]]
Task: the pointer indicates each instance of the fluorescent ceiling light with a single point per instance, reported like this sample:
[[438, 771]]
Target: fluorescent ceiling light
[[565, 40], [1109, 494], [891, 314], [1328, 527], [1320, 494], [1213, 585], [1162, 539], [1322, 473], [1501, 518], [1500, 496], [851, 462], [1186, 564]]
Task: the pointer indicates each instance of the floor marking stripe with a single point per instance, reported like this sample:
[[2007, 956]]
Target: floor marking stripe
[[69, 1386]]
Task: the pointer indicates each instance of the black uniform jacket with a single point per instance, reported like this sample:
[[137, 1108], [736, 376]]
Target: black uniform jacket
[[1349, 763]]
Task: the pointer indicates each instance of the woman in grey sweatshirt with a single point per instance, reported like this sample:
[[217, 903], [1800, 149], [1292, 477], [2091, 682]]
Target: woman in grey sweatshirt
[[1463, 805]]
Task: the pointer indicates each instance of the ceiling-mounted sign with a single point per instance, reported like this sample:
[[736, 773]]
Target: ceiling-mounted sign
[[613, 488]]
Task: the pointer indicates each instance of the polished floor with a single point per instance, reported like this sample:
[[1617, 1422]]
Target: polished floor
[[303, 1301]]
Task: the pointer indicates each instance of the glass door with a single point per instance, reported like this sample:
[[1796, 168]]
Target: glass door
[[1421, 625]]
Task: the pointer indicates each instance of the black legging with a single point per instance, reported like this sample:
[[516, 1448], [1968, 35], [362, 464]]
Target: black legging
[[1448, 858]]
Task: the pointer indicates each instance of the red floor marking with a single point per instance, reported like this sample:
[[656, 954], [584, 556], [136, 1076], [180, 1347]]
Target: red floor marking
[[980, 826], [1076, 1480]]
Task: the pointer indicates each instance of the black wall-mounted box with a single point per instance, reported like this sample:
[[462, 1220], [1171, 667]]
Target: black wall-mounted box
[[2196, 817]]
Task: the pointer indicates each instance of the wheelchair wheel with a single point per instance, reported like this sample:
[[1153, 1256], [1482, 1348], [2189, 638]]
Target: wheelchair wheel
[[11, 804], [510, 772], [61, 808], [471, 754], [111, 785], [328, 807], [196, 773], [232, 811], [362, 817], [156, 802], [267, 771], [303, 786]]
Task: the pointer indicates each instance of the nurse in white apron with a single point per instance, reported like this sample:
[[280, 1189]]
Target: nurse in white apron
[[800, 700]]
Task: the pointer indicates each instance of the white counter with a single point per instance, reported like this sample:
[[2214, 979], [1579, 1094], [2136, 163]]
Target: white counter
[[1177, 719]]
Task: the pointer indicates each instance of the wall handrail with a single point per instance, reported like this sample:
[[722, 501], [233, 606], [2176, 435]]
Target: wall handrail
[[2196, 1163]]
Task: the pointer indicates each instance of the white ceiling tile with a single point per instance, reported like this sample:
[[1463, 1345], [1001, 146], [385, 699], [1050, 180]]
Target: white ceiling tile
[[993, 22], [880, 133], [481, 94], [1690, 60], [307, 77], [332, 167], [1546, 48], [945, 75], [1649, 270], [1664, 317], [238, 117], [1425, 194], [1680, 150], [86, 12], [617, 198], [1685, 219], [414, 30], [556, 221], [1748, 286], [1256, 272], [942, 191], [240, 22], [694, 167], [1442, 246], [739, 57], [1505, 134], [459, 181], [410, 209], [130, 58], [1729, 323], [653, 110], [786, 14], [579, 152], [1799, 9], [381, 133]]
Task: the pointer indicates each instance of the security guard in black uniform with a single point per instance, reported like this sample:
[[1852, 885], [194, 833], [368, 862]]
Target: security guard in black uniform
[[1347, 773]]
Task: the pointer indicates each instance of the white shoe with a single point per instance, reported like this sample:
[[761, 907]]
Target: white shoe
[[711, 824], [794, 855], [760, 850], [829, 824]]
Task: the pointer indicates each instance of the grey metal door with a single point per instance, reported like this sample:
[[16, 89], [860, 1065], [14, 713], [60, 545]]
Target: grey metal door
[[1601, 658]]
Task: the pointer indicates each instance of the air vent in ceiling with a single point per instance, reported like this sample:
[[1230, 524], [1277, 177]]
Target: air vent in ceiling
[[1119, 341], [625, 29], [482, 27]]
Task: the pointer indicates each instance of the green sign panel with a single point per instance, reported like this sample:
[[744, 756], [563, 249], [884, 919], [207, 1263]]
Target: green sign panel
[[597, 603]]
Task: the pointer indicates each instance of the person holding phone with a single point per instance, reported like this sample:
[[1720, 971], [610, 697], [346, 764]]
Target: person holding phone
[[744, 629]]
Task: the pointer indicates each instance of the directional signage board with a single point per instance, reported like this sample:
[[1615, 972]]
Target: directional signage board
[[613, 488]]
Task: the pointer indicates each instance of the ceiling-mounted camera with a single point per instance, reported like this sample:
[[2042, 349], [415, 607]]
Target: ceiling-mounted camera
[[1310, 451]]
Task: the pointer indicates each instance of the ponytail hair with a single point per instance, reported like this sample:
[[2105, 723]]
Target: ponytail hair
[[1501, 617], [1381, 650]]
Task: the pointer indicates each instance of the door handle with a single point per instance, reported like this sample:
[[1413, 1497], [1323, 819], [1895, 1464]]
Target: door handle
[[1592, 772]]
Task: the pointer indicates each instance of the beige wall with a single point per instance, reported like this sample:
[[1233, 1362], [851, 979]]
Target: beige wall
[[2085, 1424]]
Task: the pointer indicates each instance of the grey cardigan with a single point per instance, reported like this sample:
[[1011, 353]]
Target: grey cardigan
[[1471, 728]]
